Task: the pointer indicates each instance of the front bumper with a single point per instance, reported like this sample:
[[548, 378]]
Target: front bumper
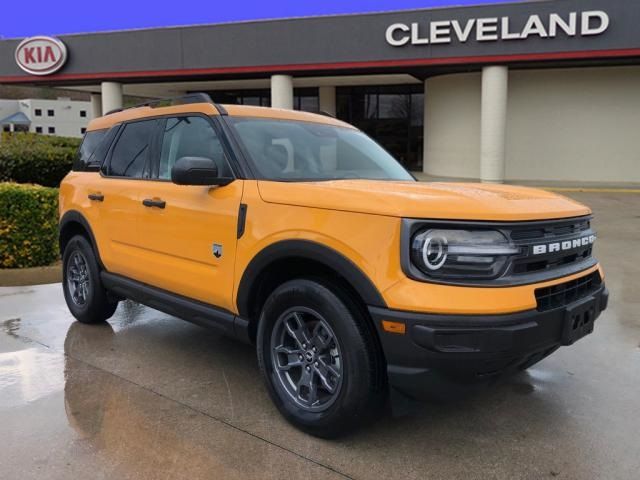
[[442, 355]]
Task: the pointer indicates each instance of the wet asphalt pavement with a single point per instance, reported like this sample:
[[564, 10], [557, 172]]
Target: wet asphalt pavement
[[150, 396]]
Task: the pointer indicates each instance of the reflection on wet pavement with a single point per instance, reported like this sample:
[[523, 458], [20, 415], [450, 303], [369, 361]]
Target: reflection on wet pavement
[[28, 375], [149, 396]]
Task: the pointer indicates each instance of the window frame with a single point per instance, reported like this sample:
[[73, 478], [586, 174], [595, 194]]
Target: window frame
[[229, 153], [238, 164]]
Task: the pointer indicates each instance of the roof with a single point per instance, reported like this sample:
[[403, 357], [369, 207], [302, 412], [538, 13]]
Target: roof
[[108, 121], [17, 118]]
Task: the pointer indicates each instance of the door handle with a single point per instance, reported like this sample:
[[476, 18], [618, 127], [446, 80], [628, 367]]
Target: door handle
[[148, 202], [97, 197]]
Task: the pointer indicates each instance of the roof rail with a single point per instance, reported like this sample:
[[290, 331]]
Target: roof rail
[[183, 100]]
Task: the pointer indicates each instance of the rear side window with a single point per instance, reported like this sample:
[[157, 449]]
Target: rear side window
[[130, 153], [89, 144]]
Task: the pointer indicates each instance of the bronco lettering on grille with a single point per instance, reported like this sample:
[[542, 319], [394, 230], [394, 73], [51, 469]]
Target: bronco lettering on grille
[[564, 245]]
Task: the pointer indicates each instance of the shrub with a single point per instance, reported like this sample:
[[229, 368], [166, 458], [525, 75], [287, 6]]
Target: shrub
[[40, 159], [28, 225]]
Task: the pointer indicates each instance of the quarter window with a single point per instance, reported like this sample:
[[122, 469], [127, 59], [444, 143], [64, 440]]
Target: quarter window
[[131, 150], [190, 137], [89, 144]]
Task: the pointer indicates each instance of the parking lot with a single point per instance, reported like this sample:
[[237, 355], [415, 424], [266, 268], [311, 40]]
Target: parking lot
[[150, 396]]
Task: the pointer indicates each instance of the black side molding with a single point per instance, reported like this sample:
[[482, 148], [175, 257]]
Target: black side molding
[[72, 219], [307, 250], [242, 219], [185, 308]]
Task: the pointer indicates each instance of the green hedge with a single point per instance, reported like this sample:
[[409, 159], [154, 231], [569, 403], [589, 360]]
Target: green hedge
[[28, 225], [33, 158]]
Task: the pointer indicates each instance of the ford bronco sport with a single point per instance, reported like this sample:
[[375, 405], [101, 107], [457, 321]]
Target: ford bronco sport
[[298, 233]]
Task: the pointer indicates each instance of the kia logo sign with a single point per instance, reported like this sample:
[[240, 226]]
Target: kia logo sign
[[41, 55]]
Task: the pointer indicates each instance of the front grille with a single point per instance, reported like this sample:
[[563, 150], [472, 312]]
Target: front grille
[[555, 229], [563, 294], [536, 264], [526, 236]]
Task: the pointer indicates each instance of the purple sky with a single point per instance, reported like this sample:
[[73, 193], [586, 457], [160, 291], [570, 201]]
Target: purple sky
[[54, 17]]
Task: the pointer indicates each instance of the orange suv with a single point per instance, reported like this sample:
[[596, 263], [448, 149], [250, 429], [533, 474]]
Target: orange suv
[[298, 233]]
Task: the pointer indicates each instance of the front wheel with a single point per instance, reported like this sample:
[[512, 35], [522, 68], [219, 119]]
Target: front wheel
[[318, 358], [83, 291]]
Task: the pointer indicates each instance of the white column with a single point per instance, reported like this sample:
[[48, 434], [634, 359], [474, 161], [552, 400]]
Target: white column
[[327, 100], [282, 91], [493, 130], [96, 105], [111, 96], [425, 130]]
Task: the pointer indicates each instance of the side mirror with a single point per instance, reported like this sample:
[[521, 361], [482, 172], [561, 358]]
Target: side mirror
[[197, 171]]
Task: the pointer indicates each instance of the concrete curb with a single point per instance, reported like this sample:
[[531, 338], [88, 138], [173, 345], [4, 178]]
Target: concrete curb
[[20, 277]]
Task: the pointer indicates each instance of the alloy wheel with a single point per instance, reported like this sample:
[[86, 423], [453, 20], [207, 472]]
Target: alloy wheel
[[78, 279], [306, 358]]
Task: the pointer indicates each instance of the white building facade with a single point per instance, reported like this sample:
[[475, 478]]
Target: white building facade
[[62, 117]]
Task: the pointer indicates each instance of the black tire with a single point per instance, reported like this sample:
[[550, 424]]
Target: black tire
[[96, 306], [358, 390]]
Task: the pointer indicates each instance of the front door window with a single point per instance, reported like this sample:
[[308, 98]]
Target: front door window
[[190, 137]]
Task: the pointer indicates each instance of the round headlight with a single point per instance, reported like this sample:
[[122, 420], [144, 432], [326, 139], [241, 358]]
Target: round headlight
[[434, 252], [461, 254]]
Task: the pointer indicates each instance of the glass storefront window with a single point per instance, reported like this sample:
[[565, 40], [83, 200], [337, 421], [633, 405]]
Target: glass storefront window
[[417, 113], [371, 106], [256, 101], [305, 99], [394, 106], [307, 103], [393, 115]]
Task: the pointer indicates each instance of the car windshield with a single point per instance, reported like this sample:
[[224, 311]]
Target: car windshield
[[286, 150]]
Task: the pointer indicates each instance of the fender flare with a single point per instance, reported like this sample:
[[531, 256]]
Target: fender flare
[[74, 216], [307, 250]]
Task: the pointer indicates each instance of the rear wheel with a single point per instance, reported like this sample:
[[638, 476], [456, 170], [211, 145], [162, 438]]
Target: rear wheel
[[83, 291], [318, 359]]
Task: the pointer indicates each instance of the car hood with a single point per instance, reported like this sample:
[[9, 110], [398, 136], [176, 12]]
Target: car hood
[[455, 201]]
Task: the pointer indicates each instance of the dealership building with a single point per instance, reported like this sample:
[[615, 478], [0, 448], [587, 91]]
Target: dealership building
[[534, 91]]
